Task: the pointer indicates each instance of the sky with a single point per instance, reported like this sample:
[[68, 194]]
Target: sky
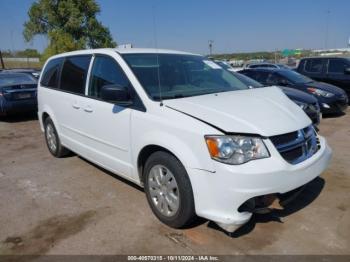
[[188, 25]]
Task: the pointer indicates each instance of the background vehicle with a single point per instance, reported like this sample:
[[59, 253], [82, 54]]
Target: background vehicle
[[330, 98], [18, 93], [33, 72], [307, 102], [182, 127], [332, 70], [267, 65]]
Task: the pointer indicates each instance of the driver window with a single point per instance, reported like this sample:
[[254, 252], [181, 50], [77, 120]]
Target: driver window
[[105, 71], [273, 79]]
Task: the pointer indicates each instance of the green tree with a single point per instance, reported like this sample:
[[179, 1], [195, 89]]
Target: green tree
[[28, 53], [68, 24]]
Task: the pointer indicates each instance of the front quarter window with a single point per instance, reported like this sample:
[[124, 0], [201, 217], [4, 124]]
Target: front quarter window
[[176, 76]]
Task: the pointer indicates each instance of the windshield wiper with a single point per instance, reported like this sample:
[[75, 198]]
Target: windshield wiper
[[168, 96]]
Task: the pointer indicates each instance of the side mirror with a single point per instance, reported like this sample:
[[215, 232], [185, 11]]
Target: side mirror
[[116, 94], [347, 71]]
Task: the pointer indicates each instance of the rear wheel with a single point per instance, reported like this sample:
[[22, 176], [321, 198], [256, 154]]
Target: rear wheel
[[53, 141], [168, 190]]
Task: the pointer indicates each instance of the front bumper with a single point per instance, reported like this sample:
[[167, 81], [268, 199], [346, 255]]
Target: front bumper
[[337, 106], [218, 195]]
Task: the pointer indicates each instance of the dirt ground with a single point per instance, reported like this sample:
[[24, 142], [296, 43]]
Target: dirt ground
[[70, 206]]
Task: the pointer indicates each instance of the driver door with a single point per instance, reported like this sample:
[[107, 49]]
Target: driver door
[[107, 126]]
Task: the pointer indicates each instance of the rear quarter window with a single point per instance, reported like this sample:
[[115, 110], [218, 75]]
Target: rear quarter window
[[51, 73]]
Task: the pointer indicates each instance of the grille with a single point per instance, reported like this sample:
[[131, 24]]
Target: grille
[[296, 147], [282, 139]]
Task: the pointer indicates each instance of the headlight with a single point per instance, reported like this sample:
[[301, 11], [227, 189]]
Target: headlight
[[236, 150], [301, 104], [319, 92]]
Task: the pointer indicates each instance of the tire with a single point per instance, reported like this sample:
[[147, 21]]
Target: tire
[[53, 141], [176, 214]]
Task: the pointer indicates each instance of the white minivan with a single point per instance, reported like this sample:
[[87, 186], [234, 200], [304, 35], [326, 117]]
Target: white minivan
[[197, 139]]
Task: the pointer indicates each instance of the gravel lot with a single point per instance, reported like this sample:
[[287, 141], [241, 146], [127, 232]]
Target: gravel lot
[[70, 206]]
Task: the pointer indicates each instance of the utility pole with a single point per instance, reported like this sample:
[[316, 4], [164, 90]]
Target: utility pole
[[210, 42], [2, 61], [276, 56], [328, 12]]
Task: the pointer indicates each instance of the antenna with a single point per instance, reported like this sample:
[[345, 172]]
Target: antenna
[[157, 54]]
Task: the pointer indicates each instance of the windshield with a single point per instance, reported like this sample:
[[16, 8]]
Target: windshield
[[248, 81], [177, 76], [10, 79], [295, 77]]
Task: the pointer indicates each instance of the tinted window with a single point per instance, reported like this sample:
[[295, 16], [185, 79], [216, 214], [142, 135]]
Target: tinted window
[[262, 66], [248, 81], [51, 72], [261, 77], [15, 79], [295, 77], [105, 71], [337, 66], [314, 65], [273, 79], [74, 74]]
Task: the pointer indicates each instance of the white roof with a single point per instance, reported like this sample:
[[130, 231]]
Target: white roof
[[124, 51], [149, 51]]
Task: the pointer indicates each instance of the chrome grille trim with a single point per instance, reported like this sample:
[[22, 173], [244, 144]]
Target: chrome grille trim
[[299, 149]]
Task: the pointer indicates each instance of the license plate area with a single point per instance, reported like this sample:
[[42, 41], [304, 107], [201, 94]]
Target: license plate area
[[23, 96]]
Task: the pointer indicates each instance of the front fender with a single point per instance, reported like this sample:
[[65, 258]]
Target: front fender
[[194, 155]]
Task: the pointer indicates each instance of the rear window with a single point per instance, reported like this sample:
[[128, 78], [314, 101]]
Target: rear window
[[314, 65], [12, 79], [51, 73], [74, 72]]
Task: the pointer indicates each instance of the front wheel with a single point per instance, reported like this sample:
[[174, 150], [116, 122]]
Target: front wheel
[[52, 140], [168, 190]]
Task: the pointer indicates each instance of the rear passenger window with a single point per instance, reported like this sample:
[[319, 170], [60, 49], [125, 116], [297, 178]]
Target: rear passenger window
[[105, 71], [51, 73], [73, 77], [314, 65], [337, 66]]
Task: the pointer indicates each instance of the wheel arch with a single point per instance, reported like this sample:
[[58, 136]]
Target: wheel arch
[[145, 153]]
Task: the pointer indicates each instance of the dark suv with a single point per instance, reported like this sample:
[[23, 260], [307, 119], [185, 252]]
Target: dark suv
[[330, 98], [332, 70]]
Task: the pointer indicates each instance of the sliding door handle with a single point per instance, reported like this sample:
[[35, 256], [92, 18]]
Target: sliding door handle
[[76, 106], [88, 109]]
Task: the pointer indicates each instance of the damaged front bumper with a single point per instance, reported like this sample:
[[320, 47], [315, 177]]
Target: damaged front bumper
[[221, 196]]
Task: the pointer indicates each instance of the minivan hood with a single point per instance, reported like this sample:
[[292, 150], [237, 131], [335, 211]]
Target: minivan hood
[[263, 111]]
